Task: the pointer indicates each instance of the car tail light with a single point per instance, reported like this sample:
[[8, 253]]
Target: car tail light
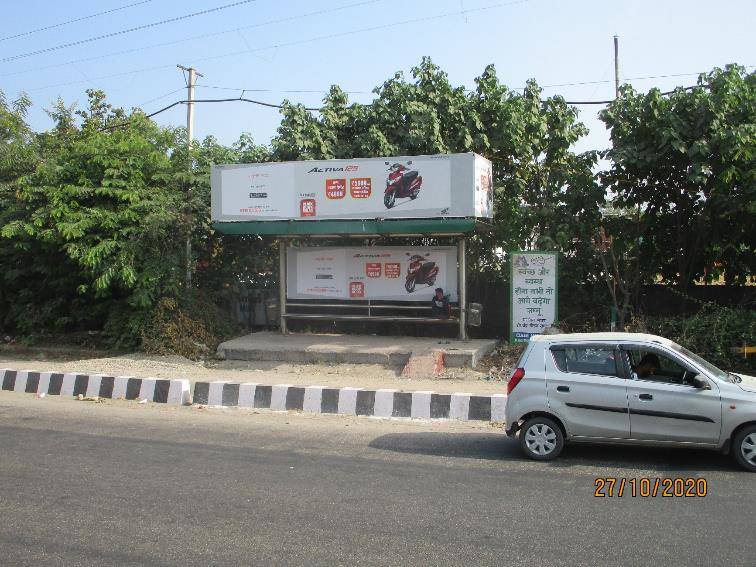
[[518, 375]]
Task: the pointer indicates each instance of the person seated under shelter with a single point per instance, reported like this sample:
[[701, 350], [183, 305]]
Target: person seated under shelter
[[440, 305]]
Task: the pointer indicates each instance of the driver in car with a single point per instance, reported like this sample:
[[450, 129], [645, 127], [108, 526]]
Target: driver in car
[[647, 366]]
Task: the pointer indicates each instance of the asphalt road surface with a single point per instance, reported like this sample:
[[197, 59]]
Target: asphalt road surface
[[123, 484]]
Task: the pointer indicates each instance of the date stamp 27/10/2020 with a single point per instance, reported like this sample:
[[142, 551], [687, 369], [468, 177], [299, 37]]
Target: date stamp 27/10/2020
[[647, 487]]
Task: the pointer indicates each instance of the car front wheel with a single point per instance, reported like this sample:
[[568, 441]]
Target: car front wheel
[[541, 439], [744, 448]]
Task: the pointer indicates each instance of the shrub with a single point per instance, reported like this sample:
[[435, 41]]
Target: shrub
[[193, 330], [712, 332]]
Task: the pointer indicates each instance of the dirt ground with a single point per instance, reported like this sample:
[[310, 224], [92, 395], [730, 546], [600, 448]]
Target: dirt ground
[[488, 378]]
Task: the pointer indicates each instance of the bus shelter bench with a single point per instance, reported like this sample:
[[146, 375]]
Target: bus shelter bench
[[416, 313]]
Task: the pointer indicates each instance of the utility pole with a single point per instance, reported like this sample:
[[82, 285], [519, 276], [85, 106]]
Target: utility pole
[[616, 66], [193, 74]]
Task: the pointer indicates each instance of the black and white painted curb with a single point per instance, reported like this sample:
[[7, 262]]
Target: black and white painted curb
[[172, 392], [281, 397], [352, 401]]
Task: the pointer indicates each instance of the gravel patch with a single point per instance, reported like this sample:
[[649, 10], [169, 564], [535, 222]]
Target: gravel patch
[[368, 376]]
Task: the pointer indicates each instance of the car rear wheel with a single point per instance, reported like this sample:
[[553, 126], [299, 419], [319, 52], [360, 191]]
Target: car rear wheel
[[744, 446], [541, 439]]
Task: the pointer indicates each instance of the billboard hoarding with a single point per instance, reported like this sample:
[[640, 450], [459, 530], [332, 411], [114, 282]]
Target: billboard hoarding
[[533, 295], [444, 185], [397, 273]]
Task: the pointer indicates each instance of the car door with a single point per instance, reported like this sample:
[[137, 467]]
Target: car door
[[666, 405], [586, 386]]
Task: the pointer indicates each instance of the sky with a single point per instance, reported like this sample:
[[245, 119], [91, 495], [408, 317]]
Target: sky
[[296, 49]]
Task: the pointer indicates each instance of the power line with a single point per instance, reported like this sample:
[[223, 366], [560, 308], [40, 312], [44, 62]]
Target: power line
[[469, 91], [365, 30], [340, 34], [279, 106], [300, 42], [160, 97], [89, 17], [647, 77], [111, 76], [211, 100], [602, 102], [292, 91], [121, 32], [195, 37]]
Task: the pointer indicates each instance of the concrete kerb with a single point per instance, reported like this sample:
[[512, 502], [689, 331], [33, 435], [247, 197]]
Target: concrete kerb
[[313, 348], [385, 403], [171, 392], [308, 357]]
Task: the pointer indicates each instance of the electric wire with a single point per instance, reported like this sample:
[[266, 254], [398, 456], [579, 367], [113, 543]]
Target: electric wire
[[161, 97], [210, 100], [628, 79], [195, 37], [125, 31], [312, 109], [365, 30], [81, 19], [341, 34], [299, 42], [291, 91]]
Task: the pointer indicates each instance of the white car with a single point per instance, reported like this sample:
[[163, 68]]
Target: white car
[[627, 388]]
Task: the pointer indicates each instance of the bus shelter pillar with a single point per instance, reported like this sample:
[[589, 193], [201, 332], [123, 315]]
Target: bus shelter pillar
[[282, 286], [462, 285]]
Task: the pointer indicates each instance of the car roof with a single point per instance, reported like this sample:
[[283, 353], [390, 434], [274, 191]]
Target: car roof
[[602, 337]]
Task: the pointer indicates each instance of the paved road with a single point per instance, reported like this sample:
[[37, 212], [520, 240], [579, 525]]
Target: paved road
[[122, 484]]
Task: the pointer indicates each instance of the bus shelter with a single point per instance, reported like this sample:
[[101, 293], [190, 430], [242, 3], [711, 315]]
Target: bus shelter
[[404, 198]]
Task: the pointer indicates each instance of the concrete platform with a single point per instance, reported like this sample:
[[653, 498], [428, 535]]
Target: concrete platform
[[353, 349]]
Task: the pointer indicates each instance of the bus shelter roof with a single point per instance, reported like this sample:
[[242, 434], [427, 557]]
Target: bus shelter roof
[[355, 227]]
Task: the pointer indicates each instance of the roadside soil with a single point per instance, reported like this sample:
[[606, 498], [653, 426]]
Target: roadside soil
[[487, 378]]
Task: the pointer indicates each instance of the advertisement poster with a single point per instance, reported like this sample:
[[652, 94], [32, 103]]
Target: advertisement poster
[[322, 272], [445, 185], [533, 294], [483, 188], [361, 273], [266, 190]]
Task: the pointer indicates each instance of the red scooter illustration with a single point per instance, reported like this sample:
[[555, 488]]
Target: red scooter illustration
[[402, 182], [420, 272]]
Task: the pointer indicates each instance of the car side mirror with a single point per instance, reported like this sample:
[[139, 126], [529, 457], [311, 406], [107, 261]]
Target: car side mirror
[[700, 383]]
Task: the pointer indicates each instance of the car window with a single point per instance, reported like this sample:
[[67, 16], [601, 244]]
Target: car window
[[708, 366], [599, 360], [648, 364]]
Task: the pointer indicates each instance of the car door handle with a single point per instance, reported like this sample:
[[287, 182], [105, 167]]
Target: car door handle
[[645, 397], [563, 388]]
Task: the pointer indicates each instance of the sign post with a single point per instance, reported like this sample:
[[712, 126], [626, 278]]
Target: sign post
[[533, 295]]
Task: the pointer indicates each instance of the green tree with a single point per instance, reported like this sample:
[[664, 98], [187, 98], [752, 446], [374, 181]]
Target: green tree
[[685, 164], [545, 194], [107, 201], [34, 274]]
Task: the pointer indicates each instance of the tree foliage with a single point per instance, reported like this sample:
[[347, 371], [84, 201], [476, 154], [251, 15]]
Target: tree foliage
[[94, 212], [545, 194], [687, 164]]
